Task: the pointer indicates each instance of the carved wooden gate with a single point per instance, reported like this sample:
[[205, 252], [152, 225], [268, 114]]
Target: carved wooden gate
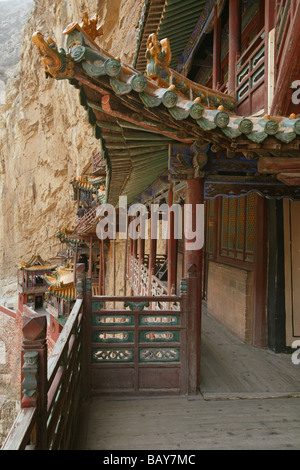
[[137, 349]]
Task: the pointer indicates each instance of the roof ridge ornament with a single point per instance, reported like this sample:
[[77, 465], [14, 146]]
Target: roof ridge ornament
[[56, 63], [158, 55], [89, 26]]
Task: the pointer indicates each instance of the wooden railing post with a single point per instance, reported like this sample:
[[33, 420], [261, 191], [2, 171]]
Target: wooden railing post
[[84, 291], [34, 373]]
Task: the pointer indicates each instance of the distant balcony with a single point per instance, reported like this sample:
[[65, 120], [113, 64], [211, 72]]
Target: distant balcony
[[98, 164], [139, 279], [87, 222], [32, 289]]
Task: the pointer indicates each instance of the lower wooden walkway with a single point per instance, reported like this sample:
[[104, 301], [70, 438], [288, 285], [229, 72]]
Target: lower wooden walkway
[[249, 399]]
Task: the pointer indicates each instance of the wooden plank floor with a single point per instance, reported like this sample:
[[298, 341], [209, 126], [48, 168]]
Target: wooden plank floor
[[231, 368], [182, 424], [249, 399]]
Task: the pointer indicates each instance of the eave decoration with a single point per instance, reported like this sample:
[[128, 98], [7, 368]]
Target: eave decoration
[[163, 101], [36, 263]]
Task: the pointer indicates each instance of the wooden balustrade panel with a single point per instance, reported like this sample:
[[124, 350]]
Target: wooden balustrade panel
[[138, 352]]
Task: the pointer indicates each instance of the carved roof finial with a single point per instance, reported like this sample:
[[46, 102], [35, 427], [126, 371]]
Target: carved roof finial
[[158, 56], [89, 26]]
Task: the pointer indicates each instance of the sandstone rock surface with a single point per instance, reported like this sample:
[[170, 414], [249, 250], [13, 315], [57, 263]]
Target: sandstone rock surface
[[45, 138]]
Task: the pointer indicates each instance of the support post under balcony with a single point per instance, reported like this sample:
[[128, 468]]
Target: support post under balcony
[[171, 247], [152, 253], [193, 273]]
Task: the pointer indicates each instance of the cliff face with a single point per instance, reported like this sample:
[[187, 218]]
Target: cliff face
[[45, 138], [13, 16]]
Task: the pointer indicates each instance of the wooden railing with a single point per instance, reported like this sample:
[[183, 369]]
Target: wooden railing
[[8, 311], [51, 389], [138, 348], [89, 219], [139, 279], [98, 162]]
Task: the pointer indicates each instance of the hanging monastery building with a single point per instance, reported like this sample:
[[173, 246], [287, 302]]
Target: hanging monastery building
[[207, 114]]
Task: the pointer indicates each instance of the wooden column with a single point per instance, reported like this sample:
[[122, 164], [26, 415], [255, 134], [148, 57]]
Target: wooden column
[[152, 253], [193, 273], [91, 258], [125, 265], [234, 42], [83, 291], [139, 254], [217, 49], [276, 278], [194, 196], [114, 267], [103, 267], [260, 275], [100, 271], [75, 260], [172, 261]]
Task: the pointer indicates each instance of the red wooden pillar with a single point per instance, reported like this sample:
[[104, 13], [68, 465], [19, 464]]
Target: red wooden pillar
[[217, 49], [152, 253], [141, 243], [75, 260], [100, 271], [193, 273], [234, 42], [126, 265], [91, 258], [193, 196], [259, 331], [171, 247], [130, 254], [103, 267]]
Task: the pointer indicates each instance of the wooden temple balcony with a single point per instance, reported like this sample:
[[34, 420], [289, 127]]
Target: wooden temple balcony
[[137, 348], [33, 289], [98, 164], [87, 223], [139, 278]]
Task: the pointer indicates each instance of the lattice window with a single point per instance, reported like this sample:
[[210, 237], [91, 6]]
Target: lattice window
[[230, 229], [237, 222]]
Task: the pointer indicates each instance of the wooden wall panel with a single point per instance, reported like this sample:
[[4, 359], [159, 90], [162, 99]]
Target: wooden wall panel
[[292, 269]]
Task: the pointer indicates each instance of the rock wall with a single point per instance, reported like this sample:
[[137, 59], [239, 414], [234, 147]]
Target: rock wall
[[13, 16], [45, 138]]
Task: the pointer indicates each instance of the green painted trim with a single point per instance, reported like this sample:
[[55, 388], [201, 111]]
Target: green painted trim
[[149, 336], [101, 320], [166, 320], [108, 355], [129, 337], [159, 355]]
